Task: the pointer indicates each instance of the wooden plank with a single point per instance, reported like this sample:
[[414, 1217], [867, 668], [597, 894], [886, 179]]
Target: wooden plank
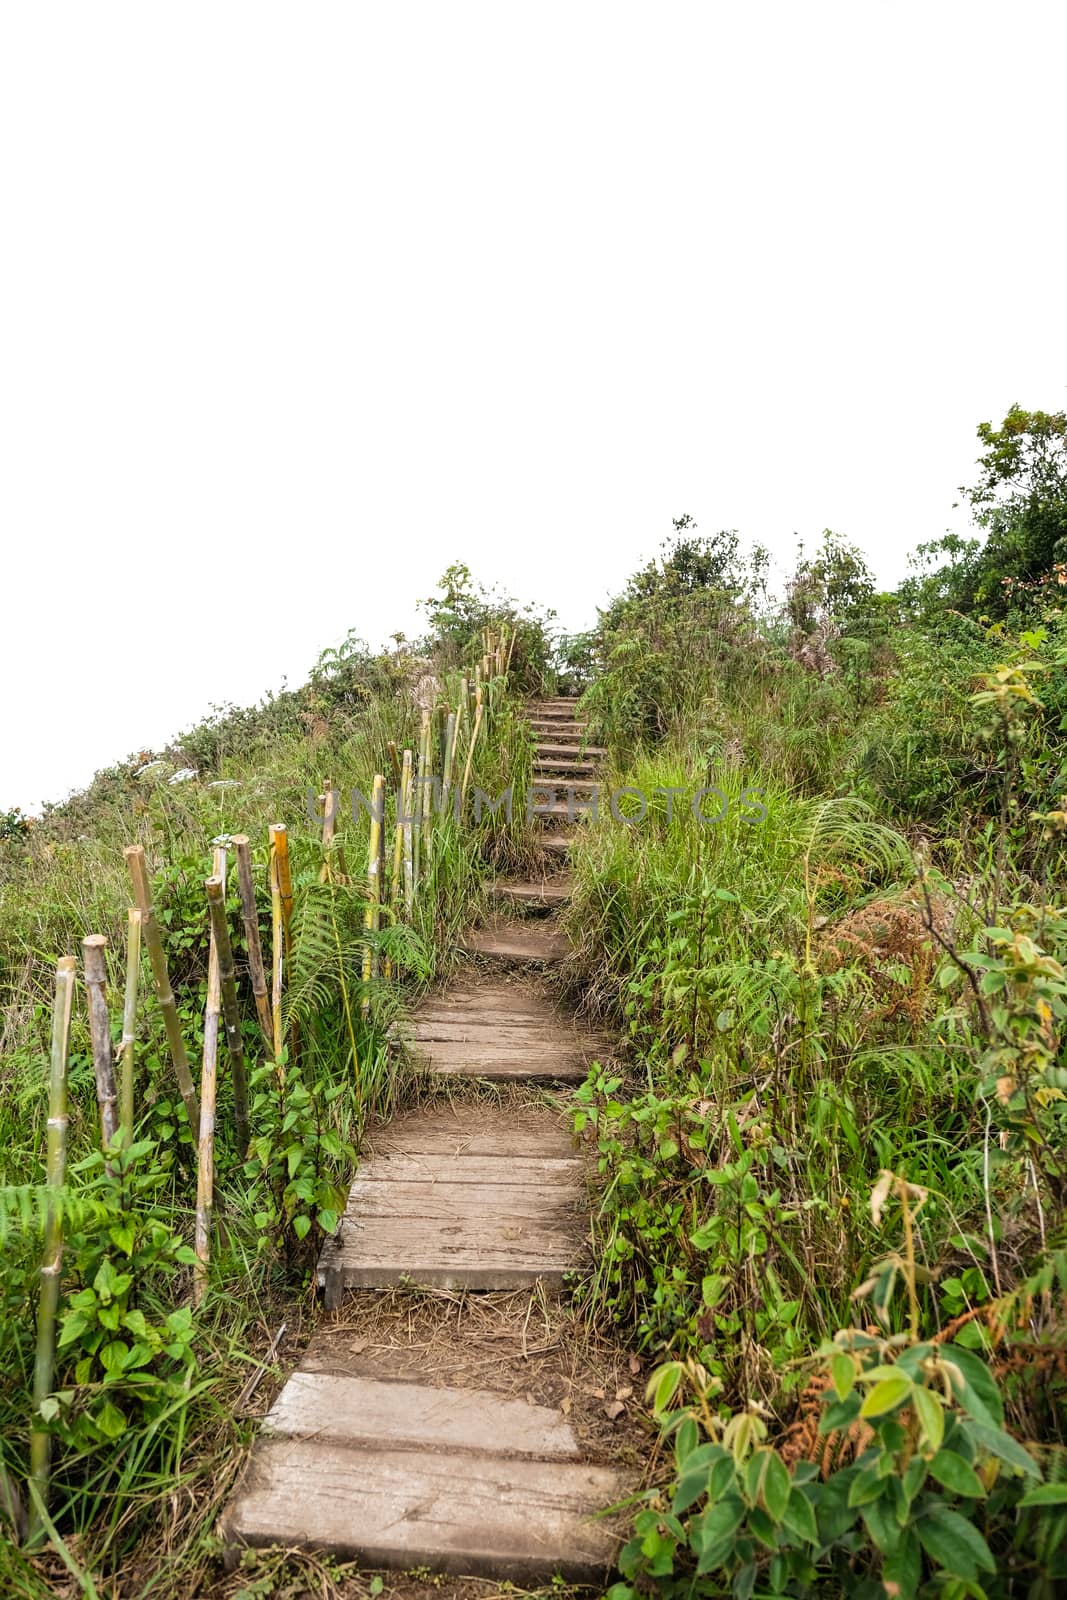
[[571, 810], [529, 892], [519, 944], [558, 843], [577, 764], [349, 1409], [460, 1514], [560, 747], [455, 1130], [544, 1066], [524, 1171]]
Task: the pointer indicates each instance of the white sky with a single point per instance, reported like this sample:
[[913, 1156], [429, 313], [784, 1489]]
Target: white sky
[[298, 304]]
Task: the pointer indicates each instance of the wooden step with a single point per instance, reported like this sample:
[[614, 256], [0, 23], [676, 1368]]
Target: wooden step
[[558, 843], [547, 747], [500, 1211], [549, 892], [550, 764], [560, 808], [558, 783], [529, 943], [465, 1513]]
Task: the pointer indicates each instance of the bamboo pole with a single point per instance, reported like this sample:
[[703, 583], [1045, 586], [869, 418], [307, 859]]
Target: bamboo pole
[[372, 915], [474, 740], [129, 1021], [277, 922], [446, 772], [394, 762], [279, 836], [231, 1012], [329, 824], [52, 1260], [205, 1166], [95, 966], [407, 828], [512, 636], [250, 917], [142, 894]]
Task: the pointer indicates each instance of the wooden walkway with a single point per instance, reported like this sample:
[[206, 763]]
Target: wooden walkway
[[460, 1196]]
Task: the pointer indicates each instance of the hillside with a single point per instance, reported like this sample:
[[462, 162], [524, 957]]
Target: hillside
[[815, 926]]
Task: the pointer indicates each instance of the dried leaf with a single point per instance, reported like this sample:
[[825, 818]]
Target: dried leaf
[[625, 1393], [613, 1410]]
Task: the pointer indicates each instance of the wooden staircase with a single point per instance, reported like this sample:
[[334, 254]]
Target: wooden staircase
[[456, 1196]]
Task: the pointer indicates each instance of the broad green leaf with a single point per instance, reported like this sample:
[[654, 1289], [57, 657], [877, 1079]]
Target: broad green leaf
[[887, 1395], [904, 1566], [931, 1416], [843, 1374], [302, 1226], [110, 1420], [995, 1442], [1046, 1494], [956, 1474], [974, 1385], [799, 1517], [954, 1543], [866, 1486]]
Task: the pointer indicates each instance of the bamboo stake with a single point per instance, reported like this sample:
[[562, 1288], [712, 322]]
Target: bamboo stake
[[425, 769], [277, 921], [329, 824], [512, 636], [129, 1020], [135, 861], [372, 915], [419, 798], [446, 772], [279, 836], [93, 949], [231, 1012], [205, 1174], [205, 1165], [394, 761], [52, 1260], [250, 918], [474, 740], [407, 827]]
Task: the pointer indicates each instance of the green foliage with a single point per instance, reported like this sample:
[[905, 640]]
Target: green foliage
[[299, 1160], [940, 1499], [1020, 500]]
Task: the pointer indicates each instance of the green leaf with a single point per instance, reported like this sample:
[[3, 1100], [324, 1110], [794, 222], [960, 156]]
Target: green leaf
[[931, 1416], [327, 1220], [954, 1543], [767, 1482], [302, 1226], [110, 1421], [887, 1395], [718, 1521], [904, 1566], [799, 1517], [974, 1385], [995, 1442], [843, 1374], [882, 1525], [957, 1475], [1046, 1494], [866, 1486]]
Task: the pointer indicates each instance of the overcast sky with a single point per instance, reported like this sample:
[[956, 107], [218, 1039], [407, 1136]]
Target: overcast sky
[[302, 303]]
